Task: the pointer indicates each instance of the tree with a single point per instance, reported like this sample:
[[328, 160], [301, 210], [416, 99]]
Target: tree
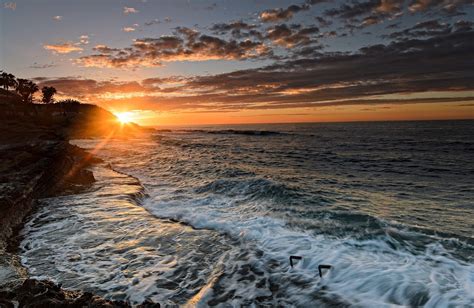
[[7, 80], [48, 93], [26, 88]]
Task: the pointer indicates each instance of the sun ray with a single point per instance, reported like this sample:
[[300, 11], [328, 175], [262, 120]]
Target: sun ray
[[124, 117]]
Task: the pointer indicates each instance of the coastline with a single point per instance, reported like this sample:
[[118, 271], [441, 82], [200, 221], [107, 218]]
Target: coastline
[[37, 161], [61, 170]]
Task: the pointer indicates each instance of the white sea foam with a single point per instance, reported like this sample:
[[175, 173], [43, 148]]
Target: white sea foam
[[367, 272]]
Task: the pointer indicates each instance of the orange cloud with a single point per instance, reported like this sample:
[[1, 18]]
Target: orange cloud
[[67, 47], [129, 10], [282, 14]]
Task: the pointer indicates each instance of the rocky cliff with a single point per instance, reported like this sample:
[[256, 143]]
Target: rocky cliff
[[37, 161]]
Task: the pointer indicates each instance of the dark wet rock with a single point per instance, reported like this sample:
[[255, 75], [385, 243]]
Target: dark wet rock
[[149, 304], [35, 169], [36, 293]]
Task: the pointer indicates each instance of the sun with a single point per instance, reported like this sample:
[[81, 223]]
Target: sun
[[124, 117]]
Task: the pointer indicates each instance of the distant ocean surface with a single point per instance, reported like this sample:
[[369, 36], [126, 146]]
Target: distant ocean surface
[[210, 215]]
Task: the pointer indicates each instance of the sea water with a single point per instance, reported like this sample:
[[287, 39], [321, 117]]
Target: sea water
[[210, 215]]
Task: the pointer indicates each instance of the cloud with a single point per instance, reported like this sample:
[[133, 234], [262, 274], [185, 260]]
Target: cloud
[[185, 45], [276, 15], [437, 63], [211, 7], [9, 6], [152, 22], [366, 13], [84, 39], [105, 49], [128, 29], [356, 9], [42, 66], [452, 7], [57, 18], [222, 28], [62, 48], [323, 22], [238, 30], [129, 10], [108, 61], [431, 28], [284, 36]]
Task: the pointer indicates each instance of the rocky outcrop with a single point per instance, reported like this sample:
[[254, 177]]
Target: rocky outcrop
[[29, 171], [37, 169], [34, 293], [37, 161]]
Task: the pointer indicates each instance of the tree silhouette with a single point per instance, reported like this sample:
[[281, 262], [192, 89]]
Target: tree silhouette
[[48, 93], [26, 88], [7, 80]]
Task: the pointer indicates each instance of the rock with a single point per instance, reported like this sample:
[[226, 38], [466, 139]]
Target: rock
[[149, 304], [36, 293]]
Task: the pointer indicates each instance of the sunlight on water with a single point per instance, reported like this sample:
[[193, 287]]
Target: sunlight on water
[[220, 212]]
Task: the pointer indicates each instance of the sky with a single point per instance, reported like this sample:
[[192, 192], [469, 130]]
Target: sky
[[228, 62]]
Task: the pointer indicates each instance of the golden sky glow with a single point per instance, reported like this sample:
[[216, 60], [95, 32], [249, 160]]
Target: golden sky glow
[[124, 117], [203, 62]]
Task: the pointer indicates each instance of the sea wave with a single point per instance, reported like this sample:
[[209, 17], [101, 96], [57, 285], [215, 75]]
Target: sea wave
[[235, 132], [250, 188], [377, 271]]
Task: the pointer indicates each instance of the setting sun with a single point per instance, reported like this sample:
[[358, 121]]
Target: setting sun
[[301, 153], [124, 117]]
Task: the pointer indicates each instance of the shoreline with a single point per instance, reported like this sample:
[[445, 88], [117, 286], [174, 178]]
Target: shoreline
[[62, 172], [38, 161]]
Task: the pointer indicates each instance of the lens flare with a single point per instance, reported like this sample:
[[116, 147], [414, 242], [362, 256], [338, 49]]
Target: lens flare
[[124, 117]]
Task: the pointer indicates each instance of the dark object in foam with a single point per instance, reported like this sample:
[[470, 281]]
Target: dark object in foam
[[320, 267], [295, 258], [323, 266]]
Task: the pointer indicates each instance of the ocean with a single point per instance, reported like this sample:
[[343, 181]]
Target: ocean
[[210, 215]]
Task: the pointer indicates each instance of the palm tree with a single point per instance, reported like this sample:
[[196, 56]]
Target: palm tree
[[26, 88], [7, 80], [48, 93], [3, 79]]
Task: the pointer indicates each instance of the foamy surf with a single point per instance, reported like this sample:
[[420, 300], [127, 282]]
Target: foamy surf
[[375, 272]]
